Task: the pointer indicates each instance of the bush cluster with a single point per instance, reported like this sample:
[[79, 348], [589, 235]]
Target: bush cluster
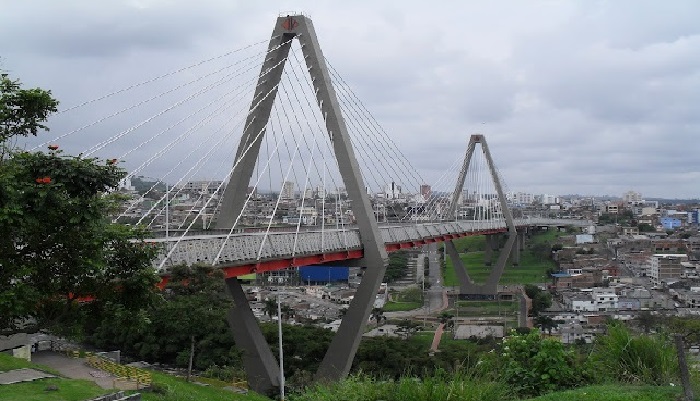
[[530, 364]]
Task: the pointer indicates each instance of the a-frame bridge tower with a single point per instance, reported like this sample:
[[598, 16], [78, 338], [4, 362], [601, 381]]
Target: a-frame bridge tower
[[260, 364], [513, 242]]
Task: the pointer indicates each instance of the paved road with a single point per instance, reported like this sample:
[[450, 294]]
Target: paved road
[[75, 368], [436, 300]]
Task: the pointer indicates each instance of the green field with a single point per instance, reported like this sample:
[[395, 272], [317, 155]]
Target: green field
[[532, 269], [488, 308], [401, 306], [176, 389], [68, 389], [615, 393]]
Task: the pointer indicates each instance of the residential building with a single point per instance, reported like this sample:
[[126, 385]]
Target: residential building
[[287, 192], [664, 267], [631, 197]]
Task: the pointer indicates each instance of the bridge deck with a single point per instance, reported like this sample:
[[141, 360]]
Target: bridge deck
[[245, 253]]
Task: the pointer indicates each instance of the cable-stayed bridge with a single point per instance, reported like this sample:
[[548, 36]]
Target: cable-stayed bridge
[[273, 161], [257, 252]]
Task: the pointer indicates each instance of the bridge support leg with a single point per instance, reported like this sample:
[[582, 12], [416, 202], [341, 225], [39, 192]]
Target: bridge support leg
[[517, 247], [260, 365], [491, 246], [491, 284], [466, 285]]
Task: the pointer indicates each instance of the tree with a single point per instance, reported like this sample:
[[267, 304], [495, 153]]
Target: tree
[[545, 323], [446, 319], [22, 111], [270, 307], [406, 328], [541, 300], [397, 266], [645, 228], [194, 300], [57, 246], [287, 312], [378, 315]]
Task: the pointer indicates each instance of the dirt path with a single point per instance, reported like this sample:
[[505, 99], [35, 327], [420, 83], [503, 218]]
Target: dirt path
[[75, 368]]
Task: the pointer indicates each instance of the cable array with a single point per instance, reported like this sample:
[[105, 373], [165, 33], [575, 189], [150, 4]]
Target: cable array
[[187, 127]]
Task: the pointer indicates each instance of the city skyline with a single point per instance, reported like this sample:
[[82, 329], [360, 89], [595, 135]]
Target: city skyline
[[599, 95]]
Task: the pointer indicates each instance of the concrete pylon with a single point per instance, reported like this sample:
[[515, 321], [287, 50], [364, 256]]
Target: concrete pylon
[[517, 247], [490, 287], [341, 352]]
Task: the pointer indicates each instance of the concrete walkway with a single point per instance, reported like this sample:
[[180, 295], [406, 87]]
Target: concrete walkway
[[75, 368], [437, 338], [22, 375]]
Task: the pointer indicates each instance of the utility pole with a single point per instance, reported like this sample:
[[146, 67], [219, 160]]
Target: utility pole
[[281, 353]]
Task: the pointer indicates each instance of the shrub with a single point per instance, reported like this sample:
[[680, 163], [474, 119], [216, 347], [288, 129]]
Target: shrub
[[621, 356], [533, 365], [441, 386]]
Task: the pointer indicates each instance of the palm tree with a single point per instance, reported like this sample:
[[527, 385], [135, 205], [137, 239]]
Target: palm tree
[[270, 307], [378, 315], [446, 319], [287, 312]]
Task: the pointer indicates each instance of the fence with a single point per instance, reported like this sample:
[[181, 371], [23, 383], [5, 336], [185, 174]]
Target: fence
[[122, 372]]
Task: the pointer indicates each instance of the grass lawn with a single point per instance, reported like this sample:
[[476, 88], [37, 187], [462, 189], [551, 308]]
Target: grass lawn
[[180, 390], [401, 306], [68, 389], [78, 390], [615, 393], [530, 270], [476, 308]]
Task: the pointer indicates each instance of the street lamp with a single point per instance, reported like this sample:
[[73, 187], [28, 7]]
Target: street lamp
[[279, 331]]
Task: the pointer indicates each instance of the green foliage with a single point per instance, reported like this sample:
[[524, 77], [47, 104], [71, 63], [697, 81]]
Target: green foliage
[[391, 357], [22, 111], [532, 365], [411, 294], [397, 266], [68, 390], [688, 327], [377, 315], [541, 300], [193, 304], [534, 262], [645, 228], [437, 387], [177, 389], [621, 356], [401, 306], [304, 348], [57, 245], [406, 328], [615, 393]]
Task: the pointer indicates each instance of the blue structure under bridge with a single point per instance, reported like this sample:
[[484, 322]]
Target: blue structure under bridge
[[323, 274]]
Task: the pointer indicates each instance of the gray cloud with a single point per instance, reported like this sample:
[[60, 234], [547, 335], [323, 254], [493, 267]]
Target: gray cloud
[[588, 97]]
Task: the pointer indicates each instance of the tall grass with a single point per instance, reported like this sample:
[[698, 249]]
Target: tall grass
[[441, 386], [623, 357]]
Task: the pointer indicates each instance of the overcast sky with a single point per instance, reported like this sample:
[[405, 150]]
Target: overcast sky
[[589, 97]]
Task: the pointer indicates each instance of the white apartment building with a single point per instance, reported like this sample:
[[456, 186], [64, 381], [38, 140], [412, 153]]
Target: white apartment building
[[632, 197], [549, 199], [392, 191], [605, 299], [666, 266], [287, 190]]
